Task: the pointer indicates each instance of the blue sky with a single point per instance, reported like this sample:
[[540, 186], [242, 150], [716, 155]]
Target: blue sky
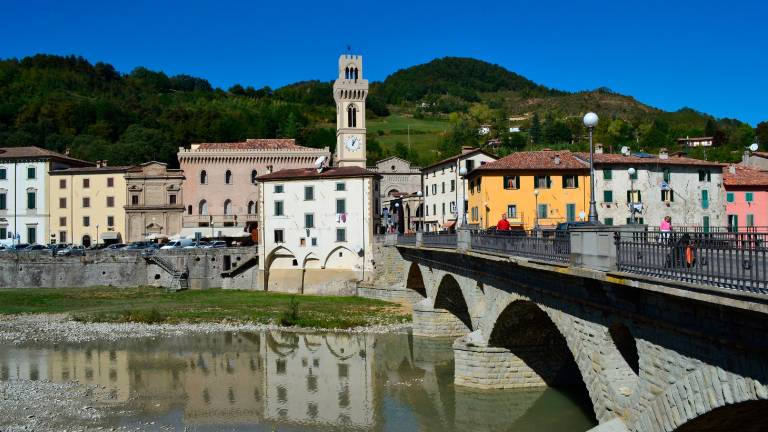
[[710, 56]]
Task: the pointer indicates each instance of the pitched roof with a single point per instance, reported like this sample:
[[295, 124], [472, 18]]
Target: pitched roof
[[535, 160], [744, 176], [619, 159], [32, 152], [91, 170], [311, 173], [464, 153], [760, 154], [253, 144]]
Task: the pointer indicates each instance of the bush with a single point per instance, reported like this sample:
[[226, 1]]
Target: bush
[[290, 317]]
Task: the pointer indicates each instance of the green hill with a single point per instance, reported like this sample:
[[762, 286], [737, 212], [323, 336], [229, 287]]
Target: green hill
[[423, 113]]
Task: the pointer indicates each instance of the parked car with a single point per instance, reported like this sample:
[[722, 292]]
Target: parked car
[[216, 244], [115, 246], [178, 244], [18, 247], [199, 245], [72, 251], [98, 246], [36, 247], [139, 245]]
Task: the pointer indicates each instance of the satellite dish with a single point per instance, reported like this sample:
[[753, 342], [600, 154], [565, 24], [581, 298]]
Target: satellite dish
[[753, 147], [625, 151]]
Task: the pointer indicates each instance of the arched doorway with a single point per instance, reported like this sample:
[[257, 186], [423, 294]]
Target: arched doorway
[[86, 241], [450, 298]]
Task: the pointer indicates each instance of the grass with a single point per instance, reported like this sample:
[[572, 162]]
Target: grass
[[426, 134], [154, 305]]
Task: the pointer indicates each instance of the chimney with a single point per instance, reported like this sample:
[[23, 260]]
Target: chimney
[[269, 169], [745, 157], [557, 159], [598, 148], [66, 151], [732, 169], [663, 153], [466, 149]]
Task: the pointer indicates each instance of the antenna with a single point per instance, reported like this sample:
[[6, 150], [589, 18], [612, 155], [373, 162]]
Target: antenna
[[319, 163], [753, 147]]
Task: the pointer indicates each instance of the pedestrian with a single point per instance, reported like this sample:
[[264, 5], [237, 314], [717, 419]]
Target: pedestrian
[[666, 229], [503, 224]]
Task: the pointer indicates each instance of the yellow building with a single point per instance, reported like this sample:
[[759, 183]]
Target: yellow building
[[534, 188], [88, 204]]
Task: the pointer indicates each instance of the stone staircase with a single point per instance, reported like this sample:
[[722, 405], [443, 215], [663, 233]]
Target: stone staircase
[[179, 278]]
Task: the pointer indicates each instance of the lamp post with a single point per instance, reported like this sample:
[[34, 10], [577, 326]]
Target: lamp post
[[536, 210], [420, 225], [590, 121], [463, 174], [397, 220], [97, 234], [632, 172]]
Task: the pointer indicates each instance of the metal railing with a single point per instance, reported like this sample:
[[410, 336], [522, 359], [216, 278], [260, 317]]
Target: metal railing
[[408, 239], [531, 244], [723, 259], [445, 239]]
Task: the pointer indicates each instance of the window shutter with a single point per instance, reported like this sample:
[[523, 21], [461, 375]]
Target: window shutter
[[629, 196], [576, 181], [549, 182], [639, 197]]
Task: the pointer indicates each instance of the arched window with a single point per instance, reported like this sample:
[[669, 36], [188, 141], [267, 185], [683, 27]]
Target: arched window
[[203, 177], [189, 209], [228, 177], [228, 207], [346, 73], [357, 71], [351, 116], [254, 174], [202, 208], [251, 207]]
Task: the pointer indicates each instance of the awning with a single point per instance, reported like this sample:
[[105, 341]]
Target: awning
[[110, 235], [449, 224], [217, 232]]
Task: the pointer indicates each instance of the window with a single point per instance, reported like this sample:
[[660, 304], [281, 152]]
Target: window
[[341, 234], [729, 197], [110, 221], [31, 234], [474, 214], [453, 183], [542, 182], [443, 187], [227, 207], [251, 207], [86, 202], [111, 201], [638, 220], [31, 200], [434, 209], [62, 183], [3, 176], [309, 193], [705, 175], [314, 241], [667, 195], [634, 196], [228, 177], [443, 209], [3, 202], [254, 174], [607, 174], [171, 198], [750, 220], [62, 221], [570, 182], [278, 208], [705, 199], [341, 186], [478, 183], [733, 223], [86, 183], [309, 220], [434, 189], [607, 196], [512, 211], [608, 221], [278, 189], [3, 232], [110, 182], [511, 182], [705, 224], [279, 236], [469, 164], [302, 242], [134, 200], [452, 207], [62, 236], [203, 177], [667, 175], [633, 176], [427, 209], [341, 206], [189, 209], [570, 212], [542, 211], [86, 221], [749, 197], [31, 174]]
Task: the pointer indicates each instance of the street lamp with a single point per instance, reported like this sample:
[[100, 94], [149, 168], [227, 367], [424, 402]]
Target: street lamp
[[397, 221], [590, 121], [536, 210], [632, 172], [463, 174], [97, 234], [420, 226]]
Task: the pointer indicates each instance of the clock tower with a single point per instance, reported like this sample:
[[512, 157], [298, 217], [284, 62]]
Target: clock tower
[[349, 92]]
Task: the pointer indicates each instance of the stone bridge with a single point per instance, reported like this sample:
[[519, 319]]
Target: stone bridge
[[652, 355]]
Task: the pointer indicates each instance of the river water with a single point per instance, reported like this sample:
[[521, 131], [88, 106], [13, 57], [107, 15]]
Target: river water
[[292, 382]]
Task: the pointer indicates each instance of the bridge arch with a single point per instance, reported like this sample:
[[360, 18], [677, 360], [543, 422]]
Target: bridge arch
[[415, 280], [450, 297]]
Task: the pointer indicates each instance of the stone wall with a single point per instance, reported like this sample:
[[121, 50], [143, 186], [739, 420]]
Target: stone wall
[[492, 368], [429, 321]]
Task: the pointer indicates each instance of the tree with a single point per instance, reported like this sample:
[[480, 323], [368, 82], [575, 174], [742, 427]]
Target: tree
[[535, 131], [761, 131]]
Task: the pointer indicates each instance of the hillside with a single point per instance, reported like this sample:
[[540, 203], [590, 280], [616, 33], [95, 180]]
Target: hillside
[[422, 113]]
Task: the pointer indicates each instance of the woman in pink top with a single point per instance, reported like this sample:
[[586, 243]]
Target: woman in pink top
[[666, 229]]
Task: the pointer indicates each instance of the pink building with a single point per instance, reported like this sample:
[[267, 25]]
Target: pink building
[[746, 196], [220, 190]]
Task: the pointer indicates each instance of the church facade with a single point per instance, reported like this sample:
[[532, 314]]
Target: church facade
[[317, 224]]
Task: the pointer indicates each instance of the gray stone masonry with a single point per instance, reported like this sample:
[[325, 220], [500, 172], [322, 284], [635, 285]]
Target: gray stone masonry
[[428, 321], [491, 368]]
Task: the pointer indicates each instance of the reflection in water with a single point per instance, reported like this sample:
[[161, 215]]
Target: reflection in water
[[292, 380]]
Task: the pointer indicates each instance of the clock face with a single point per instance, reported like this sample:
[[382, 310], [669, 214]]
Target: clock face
[[353, 143]]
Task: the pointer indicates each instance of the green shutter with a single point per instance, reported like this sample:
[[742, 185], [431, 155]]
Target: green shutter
[[608, 196], [750, 220], [608, 221], [706, 224], [705, 199], [749, 197], [667, 175], [729, 197], [607, 174], [570, 211]]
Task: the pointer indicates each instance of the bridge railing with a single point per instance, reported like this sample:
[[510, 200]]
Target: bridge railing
[[409, 239], [736, 260], [444, 239], [554, 246]]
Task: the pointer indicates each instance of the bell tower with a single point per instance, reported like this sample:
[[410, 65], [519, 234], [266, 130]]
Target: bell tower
[[349, 92]]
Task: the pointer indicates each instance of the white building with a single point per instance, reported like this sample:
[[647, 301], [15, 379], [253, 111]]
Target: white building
[[696, 141], [688, 190], [317, 224], [397, 178], [445, 192], [24, 183]]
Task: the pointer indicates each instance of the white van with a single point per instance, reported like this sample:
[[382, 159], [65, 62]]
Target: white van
[[178, 244]]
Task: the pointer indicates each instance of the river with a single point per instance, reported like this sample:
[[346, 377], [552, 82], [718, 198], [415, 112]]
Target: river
[[291, 382]]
